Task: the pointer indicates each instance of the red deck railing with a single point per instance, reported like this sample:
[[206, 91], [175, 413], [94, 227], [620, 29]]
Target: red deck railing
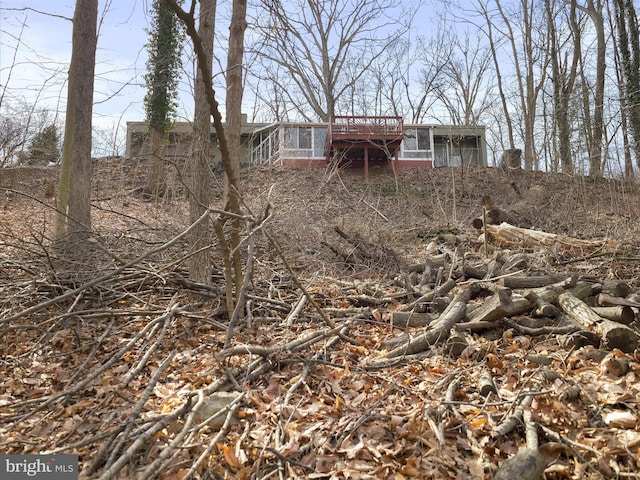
[[355, 128]]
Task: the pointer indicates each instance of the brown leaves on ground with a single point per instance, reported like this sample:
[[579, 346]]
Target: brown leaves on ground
[[128, 373]]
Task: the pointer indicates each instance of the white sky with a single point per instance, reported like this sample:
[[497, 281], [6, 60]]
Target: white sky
[[43, 42], [38, 34]]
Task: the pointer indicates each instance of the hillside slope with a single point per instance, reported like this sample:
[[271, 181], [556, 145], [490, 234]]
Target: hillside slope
[[379, 336]]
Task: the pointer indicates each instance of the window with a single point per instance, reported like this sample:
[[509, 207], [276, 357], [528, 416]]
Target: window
[[137, 143], [417, 143], [304, 138], [319, 139], [298, 138], [417, 139]]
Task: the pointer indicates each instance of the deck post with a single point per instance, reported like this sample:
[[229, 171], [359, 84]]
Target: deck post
[[366, 163]]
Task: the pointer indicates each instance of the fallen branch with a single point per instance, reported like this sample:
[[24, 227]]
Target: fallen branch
[[436, 332]]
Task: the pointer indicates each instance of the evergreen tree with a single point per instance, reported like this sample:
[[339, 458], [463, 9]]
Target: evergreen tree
[[44, 148]]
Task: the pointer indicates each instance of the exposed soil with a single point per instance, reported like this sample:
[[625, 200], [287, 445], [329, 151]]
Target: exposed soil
[[105, 372]]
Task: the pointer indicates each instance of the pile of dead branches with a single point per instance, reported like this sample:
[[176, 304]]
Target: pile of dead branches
[[442, 369]]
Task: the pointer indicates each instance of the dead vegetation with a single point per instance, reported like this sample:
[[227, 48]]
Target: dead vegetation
[[380, 336]]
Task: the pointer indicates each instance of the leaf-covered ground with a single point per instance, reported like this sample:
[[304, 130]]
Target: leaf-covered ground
[[112, 354]]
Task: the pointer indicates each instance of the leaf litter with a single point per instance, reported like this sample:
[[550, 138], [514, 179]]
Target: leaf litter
[[131, 375]]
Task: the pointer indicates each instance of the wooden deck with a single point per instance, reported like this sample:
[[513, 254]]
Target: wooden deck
[[358, 140], [363, 128]]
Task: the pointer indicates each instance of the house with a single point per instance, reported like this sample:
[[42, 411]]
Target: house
[[354, 141]]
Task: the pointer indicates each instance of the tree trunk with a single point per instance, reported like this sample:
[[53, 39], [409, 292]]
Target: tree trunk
[[231, 170], [198, 162], [594, 10], [563, 84], [234, 126], [437, 331], [629, 48], [156, 184], [74, 198]]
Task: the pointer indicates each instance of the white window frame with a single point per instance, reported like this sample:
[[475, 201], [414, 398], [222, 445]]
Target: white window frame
[[428, 153]]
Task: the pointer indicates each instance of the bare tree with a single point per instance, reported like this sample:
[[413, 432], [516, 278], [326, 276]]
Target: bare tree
[[198, 162], [625, 110], [73, 216], [628, 41], [163, 64], [530, 60], [313, 43], [235, 58], [465, 92], [13, 137], [564, 51], [495, 43], [408, 75], [594, 9], [517, 39], [229, 248]]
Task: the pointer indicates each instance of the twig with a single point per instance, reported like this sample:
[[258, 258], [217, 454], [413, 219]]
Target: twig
[[137, 409], [167, 317], [107, 276], [91, 355], [147, 435], [293, 315], [80, 386], [297, 344], [241, 295], [163, 460], [232, 408], [514, 420]]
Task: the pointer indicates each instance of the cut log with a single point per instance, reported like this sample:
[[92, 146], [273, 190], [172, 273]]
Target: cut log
[[543, 308], [531, 282], [478, 272], [616, 288], [606, 300], [500, 305], [493, 308], [613, 335], [550, 293], [485, 384], [506, 234], [579, 337], [410, 319], [438, 331], [477, 223], [434, 261], [495, 216], [443, 289], [584, 289], [620, 313], [517, 261]]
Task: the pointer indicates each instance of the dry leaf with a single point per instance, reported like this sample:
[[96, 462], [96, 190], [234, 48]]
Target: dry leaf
[[230, 456], [621, 419], [478, 422]]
